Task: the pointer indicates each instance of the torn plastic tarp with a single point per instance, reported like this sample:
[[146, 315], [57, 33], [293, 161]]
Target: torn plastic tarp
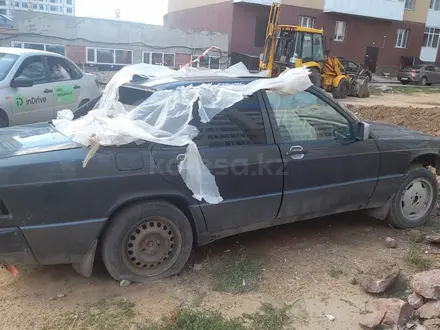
[[164, 117]]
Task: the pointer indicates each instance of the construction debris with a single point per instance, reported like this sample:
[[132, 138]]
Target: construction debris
[[379, 277]]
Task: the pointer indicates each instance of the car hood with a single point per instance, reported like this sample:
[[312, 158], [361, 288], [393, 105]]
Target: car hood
[[32, 139], [390, 131]]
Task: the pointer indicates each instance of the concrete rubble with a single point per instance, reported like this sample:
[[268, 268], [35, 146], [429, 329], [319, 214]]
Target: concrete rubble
[[421, 311]]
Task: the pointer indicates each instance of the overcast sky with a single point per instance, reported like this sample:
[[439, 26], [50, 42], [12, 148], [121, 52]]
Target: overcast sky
[[150, 11]]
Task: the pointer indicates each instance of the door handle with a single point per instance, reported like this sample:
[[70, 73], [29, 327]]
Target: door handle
[[48, 91], [76, 87], [178, 159], [296, 152]]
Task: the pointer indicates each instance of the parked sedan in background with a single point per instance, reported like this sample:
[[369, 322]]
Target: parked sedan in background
[[423, 74], [299, 157], [35, 85]]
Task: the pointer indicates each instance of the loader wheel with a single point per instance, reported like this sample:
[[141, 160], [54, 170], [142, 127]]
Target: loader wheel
[[341, 92]]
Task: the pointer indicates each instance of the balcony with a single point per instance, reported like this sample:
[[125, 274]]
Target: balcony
[[382, 9], [433, 19], [257, 2]]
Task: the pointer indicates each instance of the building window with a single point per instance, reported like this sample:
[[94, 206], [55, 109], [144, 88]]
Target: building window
[[24, 5], [435, 5], [409, 4], [146, 57], [53, 1], [68, 2], [123, 56], [34, 6], [431, 37], [41, 7], [109, 56], [339, 31], [402, 38], [168, 60], [59, 49], [306, 21], [208, 62], [69, 10], [53, 8], [17, 4], [3, 11], [3, 3]]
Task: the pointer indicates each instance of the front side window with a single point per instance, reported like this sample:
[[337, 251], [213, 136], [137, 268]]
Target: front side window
[[33, 68], [58, 69], [305, 117], [242, 124], [6, 63], [402, 38]]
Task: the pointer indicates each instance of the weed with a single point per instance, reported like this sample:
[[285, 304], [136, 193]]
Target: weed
[[235, 273], [107, 313], [268, 317], [414, 259], [335, 272]]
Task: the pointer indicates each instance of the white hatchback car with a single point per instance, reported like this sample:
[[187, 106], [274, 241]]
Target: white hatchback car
[[35, 85]]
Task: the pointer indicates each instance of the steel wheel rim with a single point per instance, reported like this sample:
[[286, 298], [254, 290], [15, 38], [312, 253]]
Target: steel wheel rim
[[416, 199], [152, 246]]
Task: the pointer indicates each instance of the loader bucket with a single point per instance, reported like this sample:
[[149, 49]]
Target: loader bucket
[[359, 88]]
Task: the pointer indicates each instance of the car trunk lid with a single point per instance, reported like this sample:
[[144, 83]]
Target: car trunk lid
[[32, 139]]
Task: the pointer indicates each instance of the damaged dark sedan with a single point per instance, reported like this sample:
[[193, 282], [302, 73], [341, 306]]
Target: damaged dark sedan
[[276, 159]]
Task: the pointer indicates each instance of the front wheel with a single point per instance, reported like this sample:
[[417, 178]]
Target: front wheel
[[341, 92], [415, 199], [147, 241], [424, 81]]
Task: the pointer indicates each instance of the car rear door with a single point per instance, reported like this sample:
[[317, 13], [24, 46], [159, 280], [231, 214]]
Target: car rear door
[[238, 148], [32, 104], [325, 170], [65, 87]]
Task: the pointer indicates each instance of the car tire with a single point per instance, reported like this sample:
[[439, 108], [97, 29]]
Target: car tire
[[146, 241], [3, 123], [404, 82], [418, 182], [341, 92], [424, 81]]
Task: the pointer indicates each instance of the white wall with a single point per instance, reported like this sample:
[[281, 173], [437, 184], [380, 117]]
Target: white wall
[[385, 9]]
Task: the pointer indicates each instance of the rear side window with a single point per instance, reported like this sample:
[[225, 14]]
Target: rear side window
[[242, 124]]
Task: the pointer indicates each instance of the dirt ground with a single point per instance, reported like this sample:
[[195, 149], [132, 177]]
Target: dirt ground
[[306, 266]]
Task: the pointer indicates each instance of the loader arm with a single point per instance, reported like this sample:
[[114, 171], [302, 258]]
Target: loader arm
[[268, 58]]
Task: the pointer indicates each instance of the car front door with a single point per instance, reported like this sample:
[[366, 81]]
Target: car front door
[[326, 170], [430, 74], [245, 161], [32, 104], [437, 74], [66, 89]]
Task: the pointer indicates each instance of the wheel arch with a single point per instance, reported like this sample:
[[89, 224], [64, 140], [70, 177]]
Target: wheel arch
[[196, 221], [4, 116], [426, 160]]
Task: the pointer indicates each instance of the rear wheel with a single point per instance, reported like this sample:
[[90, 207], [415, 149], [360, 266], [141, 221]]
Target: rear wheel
[[147, 241], [403, 82], [416, 198], [341, 92], [424, 81]]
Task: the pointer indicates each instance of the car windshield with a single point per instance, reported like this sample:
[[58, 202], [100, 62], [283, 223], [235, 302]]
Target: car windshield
[[6, 63]]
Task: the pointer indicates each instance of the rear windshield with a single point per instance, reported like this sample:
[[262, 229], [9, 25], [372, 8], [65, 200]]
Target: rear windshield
[[6, 63]]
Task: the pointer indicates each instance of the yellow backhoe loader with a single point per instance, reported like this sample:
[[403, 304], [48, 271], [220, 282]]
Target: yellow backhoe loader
[[290, 46]]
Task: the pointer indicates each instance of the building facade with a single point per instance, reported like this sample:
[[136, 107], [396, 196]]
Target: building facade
[[431, 39], [380, 33], [108, 45], [61, 7]]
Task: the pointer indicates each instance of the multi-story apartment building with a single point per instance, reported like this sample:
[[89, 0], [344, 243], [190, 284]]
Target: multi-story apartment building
[[62, 7], [431, 40], [377, 32]]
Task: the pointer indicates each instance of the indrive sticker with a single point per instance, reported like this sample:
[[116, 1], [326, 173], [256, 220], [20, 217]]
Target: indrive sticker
[[64, 94]]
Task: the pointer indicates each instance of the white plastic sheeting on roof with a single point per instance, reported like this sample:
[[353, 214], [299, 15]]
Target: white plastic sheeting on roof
[[164, 117]]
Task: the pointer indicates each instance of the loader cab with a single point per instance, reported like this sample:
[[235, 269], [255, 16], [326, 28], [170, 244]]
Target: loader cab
[[297, 46]]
